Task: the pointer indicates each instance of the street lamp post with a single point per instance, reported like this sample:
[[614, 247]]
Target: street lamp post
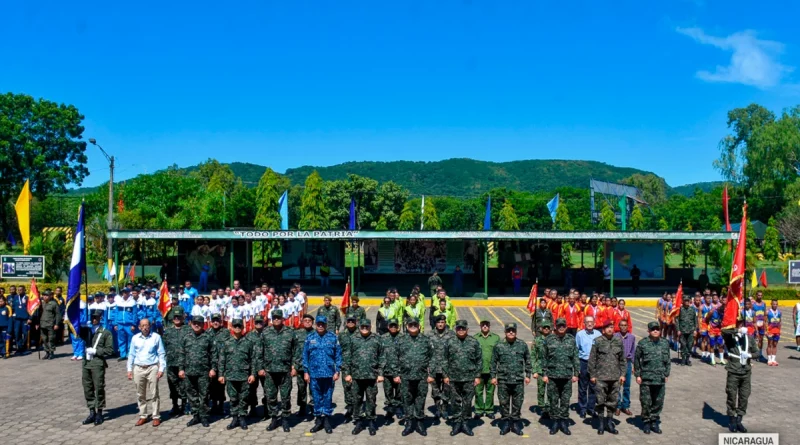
[[110, 220]]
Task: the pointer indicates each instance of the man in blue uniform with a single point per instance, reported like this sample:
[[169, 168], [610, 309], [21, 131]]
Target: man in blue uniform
[[125, 323], [20, 324], [322, 361]]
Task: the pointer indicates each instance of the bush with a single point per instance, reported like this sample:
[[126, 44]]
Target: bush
[[781, 293]]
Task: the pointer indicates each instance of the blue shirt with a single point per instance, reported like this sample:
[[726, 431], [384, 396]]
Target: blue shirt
[[585, 340], [322, 355], [147, 351]]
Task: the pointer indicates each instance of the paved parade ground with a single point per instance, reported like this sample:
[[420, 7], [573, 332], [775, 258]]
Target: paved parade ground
[[41, 402]]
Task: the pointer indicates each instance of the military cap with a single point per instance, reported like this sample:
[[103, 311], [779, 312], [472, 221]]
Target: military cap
[[96, 313], [47, 292], [198, 319], [309, 316], [394, 322], [258, 319], [90, 297], [178, 311], [216, 317], [322, 319], [413, 320], [546, 324], [237, 322], [461, 324], [561, 322], [441, 317], [99, 294], [486, 321], [653, 325], [511, 326], [365, 322], [351, 318], [277, 313]]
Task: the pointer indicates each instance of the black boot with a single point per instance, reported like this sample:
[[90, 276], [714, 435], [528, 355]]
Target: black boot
[[91, 418], [565, 427], [516, 427], [610, 427], [419, 426], [301, 410], [175, 408], [317, 425], [456, 428], [194, 421], [234, 422], [554, 426], [688, 361], [601, 426], [359, 427], [739, 426], [466, 429], [409, 427], [204, 422], [276, 421], [326, 422], [99, 418], [732, 424], [253, 411], [348, 413], [285, 425], [372, 428], [505, 427], [655, 427], [243, 422], [185, 407], [646, 427]]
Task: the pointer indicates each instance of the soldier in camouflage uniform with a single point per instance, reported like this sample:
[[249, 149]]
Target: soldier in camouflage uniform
[[484, 392], [539, 316], [560, 368], [196, 365], [537, 359], [414, 355], [463, 362], [741, 348], [238, 363], [49, 323], [392, 397], [607, 368], [363, 362], [99, 346], [216, 389], [304, 400], [332, 314], [651, 367], [252, 400], [687, 326], [345, 337], [172, 338], [510, 367], [355, 310], [440, 391], [278, 351]]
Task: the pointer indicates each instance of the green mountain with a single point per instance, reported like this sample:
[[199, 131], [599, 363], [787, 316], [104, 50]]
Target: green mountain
[[688, 189]]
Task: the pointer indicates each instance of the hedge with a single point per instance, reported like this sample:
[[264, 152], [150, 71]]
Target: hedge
[[781, 293]]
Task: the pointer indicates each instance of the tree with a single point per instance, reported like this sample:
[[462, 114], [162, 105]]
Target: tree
[[388, 203], [338, 195], [653, 188], [743, 122], [429, 217], [57, 253], [313, 210], [508, 217], [563, 223], [789, 226], [637, 219], [608, 219], [408, 218], [772, 242], [663, 227], [268, 193], [40, 141], [690, 250]]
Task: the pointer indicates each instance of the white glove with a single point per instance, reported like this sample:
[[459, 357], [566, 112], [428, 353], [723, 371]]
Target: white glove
[[91, 351], [745, 355]]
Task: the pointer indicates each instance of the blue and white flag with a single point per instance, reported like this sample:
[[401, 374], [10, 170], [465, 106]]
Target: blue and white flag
[[77, 268], [283, 209], [487, 219], [352, 222], [552, 207]]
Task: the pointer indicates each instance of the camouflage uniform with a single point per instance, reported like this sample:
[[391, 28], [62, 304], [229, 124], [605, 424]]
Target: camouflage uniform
[[303, 398], [345, 337], [651, 362], [511, 364], [51, 316], [462, 365], [687, 325], [484, 392], [252, 399], [391, 391], [333, 315], [537, 359], [238, 360], [607, 364], [278, 354], [356, 312], [216, 389], [538, 317], [560, 364], [439, 391], [93, 374], [414, 356], [363, 360], [173, 338], [197, 352], [737, 385]]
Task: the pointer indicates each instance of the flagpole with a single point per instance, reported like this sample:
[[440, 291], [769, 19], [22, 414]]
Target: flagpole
[[85, 270]]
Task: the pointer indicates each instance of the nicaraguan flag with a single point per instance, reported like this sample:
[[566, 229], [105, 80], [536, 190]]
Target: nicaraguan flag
[[552, 207], [487, 219], [352, 225], [283, 209], [77, 268]]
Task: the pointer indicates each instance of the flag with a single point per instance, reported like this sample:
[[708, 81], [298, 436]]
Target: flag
[[736, 287], [422, 215], [132, 272], [33, 300], [764, 278], [106, 275], [77, 268], [283, 209], [753, 280], [352, 225], [623, 211], [23, 208], [164, 301], [676, 306], [552, 207], [11, 239], [121, 274], [112, 271], [345, 298], [532, 297], [127, 270], [487, 219]]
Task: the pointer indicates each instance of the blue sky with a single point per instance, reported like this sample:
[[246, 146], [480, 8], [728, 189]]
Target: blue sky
[[643, 84]]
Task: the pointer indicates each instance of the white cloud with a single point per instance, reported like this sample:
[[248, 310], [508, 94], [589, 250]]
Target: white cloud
[[754, 62]]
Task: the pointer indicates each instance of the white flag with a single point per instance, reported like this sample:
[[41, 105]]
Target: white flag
[[422, 215]]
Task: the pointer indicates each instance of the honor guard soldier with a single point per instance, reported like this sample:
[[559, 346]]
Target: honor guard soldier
[[99, 345], [742, 348]]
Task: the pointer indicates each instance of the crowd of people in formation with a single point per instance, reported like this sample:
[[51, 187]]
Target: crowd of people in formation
[[237, 340]]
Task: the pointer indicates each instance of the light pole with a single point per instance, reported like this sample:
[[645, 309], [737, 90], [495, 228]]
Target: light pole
[[110, 221]]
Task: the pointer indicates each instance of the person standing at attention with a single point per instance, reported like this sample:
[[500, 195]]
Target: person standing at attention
[[586, 395]]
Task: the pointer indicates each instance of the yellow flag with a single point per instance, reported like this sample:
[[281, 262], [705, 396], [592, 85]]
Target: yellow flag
[[753, 280], [23, 208]]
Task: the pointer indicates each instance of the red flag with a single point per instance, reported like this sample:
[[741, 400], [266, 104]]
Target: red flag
[[763, 278], [345, 298], [676, 305], [33, 300], [164, 302], [736, 287], [532, 297]]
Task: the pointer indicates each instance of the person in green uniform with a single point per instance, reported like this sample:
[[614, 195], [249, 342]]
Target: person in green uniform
[[687, 328], [50, 321], [510, 367], [651, 366], [216, 389], [462, 370], [741, 349], [305, 403], [99, 346], [196, 366], [355, 310], [539, 316], [332, 314], [537, 358], [345, 337], [414, 354], [392, 398], [449, 312], [607, 367], [175, 300], [440, 391], [560, 368], [362, 365], [415, 309], [278, 349], [252, 400], [484, 392], [238, 363], [172, 338]]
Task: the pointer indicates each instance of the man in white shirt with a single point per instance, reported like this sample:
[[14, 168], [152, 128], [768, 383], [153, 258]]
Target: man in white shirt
[[146, 363]]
